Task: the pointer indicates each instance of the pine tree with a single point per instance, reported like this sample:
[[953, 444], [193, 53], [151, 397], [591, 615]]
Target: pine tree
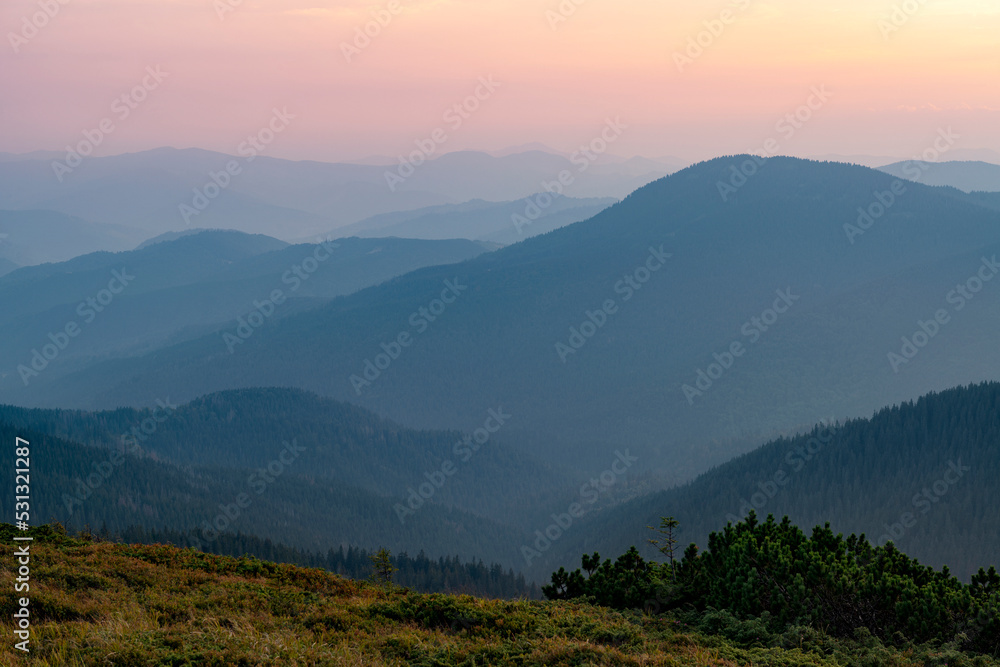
[[384, 569], [667, 543]]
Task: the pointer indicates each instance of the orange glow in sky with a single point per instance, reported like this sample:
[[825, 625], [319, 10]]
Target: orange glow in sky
[[896, 73]]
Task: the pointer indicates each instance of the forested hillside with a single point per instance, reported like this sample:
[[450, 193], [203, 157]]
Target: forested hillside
[[340, 443], [79, 485], [922, 474]]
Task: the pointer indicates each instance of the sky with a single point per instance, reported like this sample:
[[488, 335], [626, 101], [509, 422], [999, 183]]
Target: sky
[[686, 78]]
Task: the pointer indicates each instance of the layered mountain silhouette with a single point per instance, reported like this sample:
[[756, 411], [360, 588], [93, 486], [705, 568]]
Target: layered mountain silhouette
[[279, 464], [166, 189], [58, 316], [38, 237], [694, 361], [503, 222]]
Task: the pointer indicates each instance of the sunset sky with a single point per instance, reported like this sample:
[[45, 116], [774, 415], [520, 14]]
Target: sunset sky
[[891, 91]]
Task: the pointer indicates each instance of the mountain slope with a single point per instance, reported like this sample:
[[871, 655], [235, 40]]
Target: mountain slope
[[777, 240], [923, 475], [183, 289], [120, 487], [241, 430]]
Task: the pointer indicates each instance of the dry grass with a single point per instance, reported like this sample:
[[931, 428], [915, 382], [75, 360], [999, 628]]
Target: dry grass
[[106, 604]]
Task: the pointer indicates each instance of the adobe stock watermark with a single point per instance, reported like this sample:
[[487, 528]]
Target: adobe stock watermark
[[264, 309], [31, 26], [714, 28], [121, 108], [463, 450], [85, 487], [627, 286], [924, 501], [88, 310], [957, 298], [582, 158], [217, 182], [753, 330], [563, 12], [901, 14], [455, 116], [224, 7], [363, 35], [786, 126], [796, 459], [420, 321], [258, 482], [589, 494], [914, 171]]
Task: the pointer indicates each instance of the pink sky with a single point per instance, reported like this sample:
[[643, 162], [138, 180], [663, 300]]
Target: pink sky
[[891, 91]]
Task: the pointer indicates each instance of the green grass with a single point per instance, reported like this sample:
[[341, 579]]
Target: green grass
[[96, 603]]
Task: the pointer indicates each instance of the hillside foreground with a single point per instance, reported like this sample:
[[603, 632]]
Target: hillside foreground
[[104, 603]]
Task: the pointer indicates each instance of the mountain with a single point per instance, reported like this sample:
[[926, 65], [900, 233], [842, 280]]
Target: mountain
[[719, 313], [966, 176], [181, 289], [165, 189], [918, 474], [119, 486], [38, 237], [243, 430], [877, 161], [498, 222]]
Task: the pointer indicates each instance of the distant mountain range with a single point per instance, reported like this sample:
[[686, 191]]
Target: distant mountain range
[[691, 321], [966, 176], [504, 222], [732, 311], [37, 237], [183, 288], [960, 154], [166, 189]]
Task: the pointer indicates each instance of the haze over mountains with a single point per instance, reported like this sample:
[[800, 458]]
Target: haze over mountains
[[465, 371], [299, 500], [921, 474], [36, 237], [504, 223], [180, 289], [144, 192], [815, 298], [966, 176]]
